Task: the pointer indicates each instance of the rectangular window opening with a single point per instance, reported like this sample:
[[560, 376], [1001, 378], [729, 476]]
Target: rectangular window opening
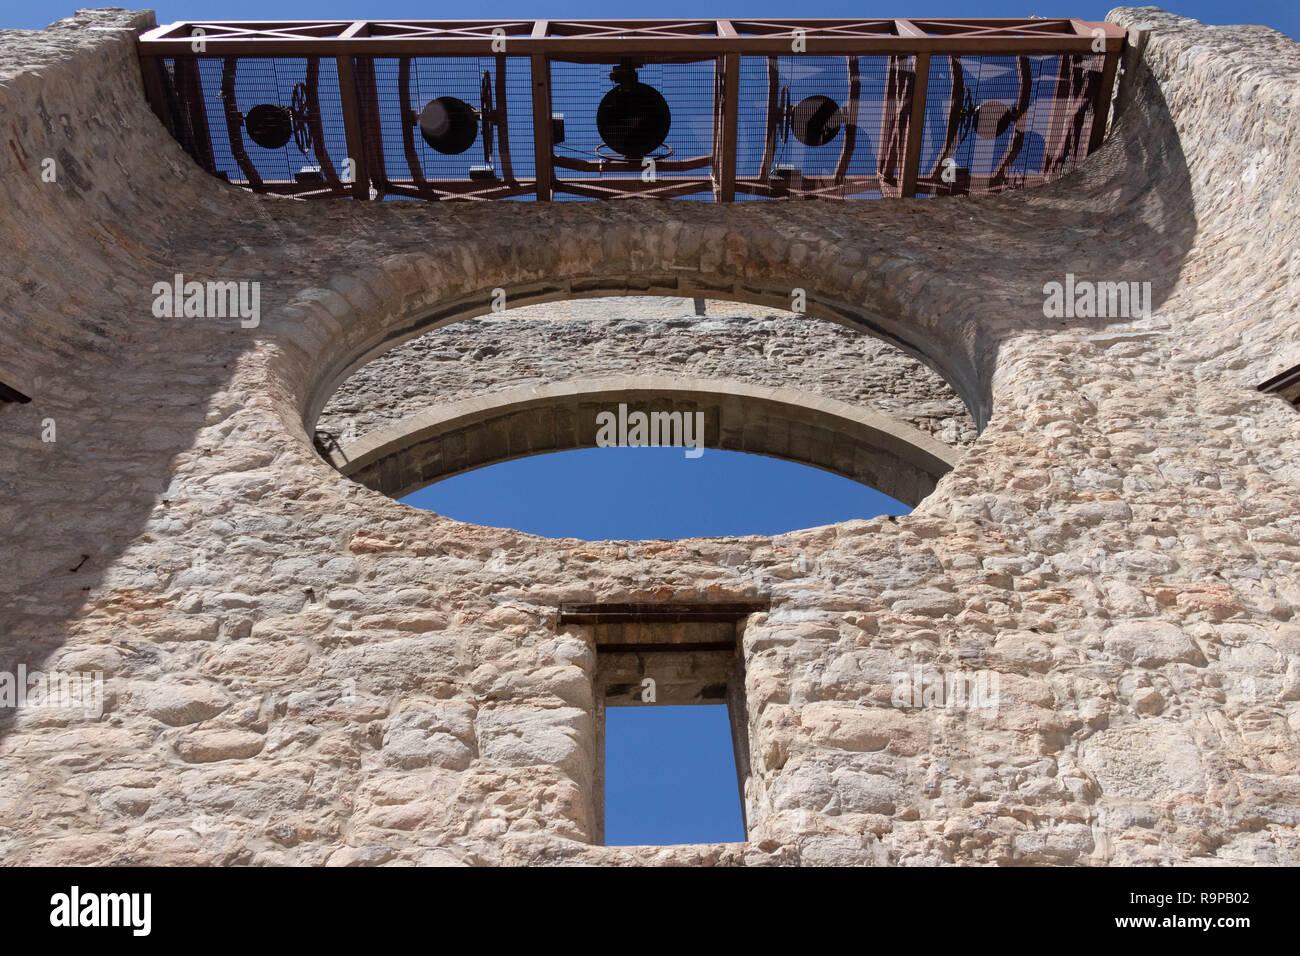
[[672, 729], [670, 776]]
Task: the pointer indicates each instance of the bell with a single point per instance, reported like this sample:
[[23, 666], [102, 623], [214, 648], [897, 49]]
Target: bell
[[633, 118], [449, 125], [269, 126], [816, 120]]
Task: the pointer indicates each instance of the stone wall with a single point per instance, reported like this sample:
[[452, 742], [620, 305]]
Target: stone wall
[[645, 336], [298, 669]]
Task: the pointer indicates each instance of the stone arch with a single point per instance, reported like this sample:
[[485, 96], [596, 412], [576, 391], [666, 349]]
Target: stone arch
[[413, 294], [857, 443]]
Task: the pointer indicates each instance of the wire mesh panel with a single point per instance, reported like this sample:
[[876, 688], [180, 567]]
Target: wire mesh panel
[[706, 109], [270, 124], [811, 126], [634, 128], [1000, 122]]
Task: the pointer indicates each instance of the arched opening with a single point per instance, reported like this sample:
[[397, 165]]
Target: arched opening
[[648, 371]]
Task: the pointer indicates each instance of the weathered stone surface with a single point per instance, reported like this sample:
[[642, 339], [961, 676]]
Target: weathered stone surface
[[209, 745], [1150, 760], [179, 704], [1150, 644], [605, 337], [298, 670]]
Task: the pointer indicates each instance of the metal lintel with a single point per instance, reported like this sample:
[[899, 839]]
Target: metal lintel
[[654, 613], [1285, 384]]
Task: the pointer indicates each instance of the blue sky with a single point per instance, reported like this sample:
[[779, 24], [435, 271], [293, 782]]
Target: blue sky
[[670, 776], [597, 493]]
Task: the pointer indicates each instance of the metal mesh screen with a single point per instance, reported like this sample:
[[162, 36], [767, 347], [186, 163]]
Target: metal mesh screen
[[991, 122], [687, 153], [998, 122], [224, 91], [845, 164]]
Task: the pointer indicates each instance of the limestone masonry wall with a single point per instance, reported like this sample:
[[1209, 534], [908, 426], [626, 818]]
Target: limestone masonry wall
[[648, 335], [300, 670]]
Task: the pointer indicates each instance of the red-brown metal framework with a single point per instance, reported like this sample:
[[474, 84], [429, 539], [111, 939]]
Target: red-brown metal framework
[[177, 98]]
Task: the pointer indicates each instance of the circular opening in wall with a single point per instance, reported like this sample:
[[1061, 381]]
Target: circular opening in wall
[[646, 417]]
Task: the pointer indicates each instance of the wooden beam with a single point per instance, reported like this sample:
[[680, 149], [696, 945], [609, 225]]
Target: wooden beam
[[352, 128], [542, 145], [598, 167], [810, 187], [1112, 34], [150, 67], [1101, 110], [1060, 23], [445, 189], [730, 114], [629, 188], [631, 37], [851, 121], [916, 123], [703, 47]]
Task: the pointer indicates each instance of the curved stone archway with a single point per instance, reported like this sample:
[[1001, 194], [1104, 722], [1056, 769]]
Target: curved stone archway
[[646, 335], [857, 443], [433, 297]]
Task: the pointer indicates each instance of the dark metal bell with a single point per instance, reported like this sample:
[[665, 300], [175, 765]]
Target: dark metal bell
[[449, 125], [269, 126], [633, 118]]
